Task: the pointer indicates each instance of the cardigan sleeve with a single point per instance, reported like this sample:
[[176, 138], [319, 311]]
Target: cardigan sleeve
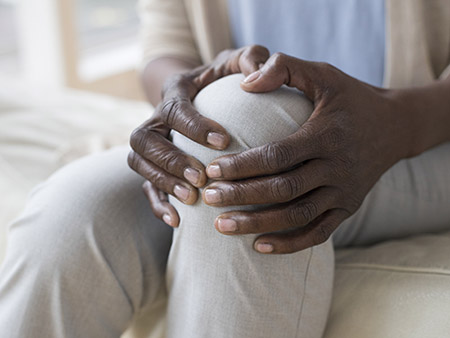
[[165, 31]]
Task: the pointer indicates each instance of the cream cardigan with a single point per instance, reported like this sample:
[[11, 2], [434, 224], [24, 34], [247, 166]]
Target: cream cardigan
[[417, 41]]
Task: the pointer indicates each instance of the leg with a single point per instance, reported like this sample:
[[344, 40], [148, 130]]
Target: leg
[[411, 198], [85, 256], [219, 286]]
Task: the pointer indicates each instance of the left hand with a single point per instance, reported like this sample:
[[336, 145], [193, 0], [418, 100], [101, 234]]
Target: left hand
[[167, 169], [318, 176]]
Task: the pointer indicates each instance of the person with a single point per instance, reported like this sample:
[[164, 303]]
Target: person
[[261, 181]]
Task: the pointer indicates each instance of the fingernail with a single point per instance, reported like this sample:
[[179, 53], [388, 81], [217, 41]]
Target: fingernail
[[216, 139], [264, 247], [213, 171], [252, 77], [192, 175], [227, 225], [181, 192], [213, 196], [167, 219]]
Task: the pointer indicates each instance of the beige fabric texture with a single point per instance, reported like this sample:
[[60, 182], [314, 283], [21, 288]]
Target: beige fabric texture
[[417, 49], [103, 258], [396, 289]]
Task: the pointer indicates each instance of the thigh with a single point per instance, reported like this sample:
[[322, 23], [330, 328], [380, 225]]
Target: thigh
[[86, 254], [412, 197]]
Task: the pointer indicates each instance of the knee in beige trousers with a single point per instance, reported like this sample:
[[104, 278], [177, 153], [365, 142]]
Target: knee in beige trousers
[[218, 285]]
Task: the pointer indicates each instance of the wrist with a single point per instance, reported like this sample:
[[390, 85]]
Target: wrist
[[421, 115], [157, 73]]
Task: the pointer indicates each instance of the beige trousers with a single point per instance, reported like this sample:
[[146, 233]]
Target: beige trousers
[[87, 256]]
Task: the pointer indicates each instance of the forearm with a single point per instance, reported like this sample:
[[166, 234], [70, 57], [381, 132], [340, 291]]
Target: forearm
[[157, 72], [426, 115]]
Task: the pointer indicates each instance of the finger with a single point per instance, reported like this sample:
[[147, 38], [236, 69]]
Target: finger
[[162, 180], [268, 159], [318, 232], [180, 115], [160, 205], [251, 59], [297, 213], [283, 69], [245, 60], [159, 150], [269, 189]]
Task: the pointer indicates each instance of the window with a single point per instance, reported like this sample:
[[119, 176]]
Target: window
[[84, 44], [107, 36], [9, 50]]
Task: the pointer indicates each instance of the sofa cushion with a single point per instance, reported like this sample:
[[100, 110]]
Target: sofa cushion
[[395, 289]]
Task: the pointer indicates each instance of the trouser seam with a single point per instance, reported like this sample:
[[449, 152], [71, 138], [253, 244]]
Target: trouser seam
[[304, 292]]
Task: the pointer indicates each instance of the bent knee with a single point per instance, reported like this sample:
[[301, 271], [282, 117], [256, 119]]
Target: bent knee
[[253, 119]]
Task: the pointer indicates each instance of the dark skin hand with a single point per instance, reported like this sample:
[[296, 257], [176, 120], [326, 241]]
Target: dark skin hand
[[167, 169], [319, 176]]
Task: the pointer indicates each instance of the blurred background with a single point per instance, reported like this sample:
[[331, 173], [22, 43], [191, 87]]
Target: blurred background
[[85, 44], [68, 88]]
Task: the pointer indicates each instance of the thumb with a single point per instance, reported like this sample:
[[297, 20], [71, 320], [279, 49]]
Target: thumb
[[282, 69]]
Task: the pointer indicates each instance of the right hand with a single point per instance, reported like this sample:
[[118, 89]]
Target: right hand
[[167, 169]]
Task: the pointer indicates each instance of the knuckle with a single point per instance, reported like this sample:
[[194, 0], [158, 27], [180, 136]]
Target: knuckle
[[275, 156], [279, 59], [302, 213], [170, 160], [224, 60], [327, 71], [132, 160], [295, 217], [177, 114], [308, 211], [138, 139], [328, 76], [288, 188], [325, 67], [297, 185], [146, 186], [158, 179], [254, 48], [238, 194], [219, 67], [169, 110], [195, 127], [258, 50], [236, 163]]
